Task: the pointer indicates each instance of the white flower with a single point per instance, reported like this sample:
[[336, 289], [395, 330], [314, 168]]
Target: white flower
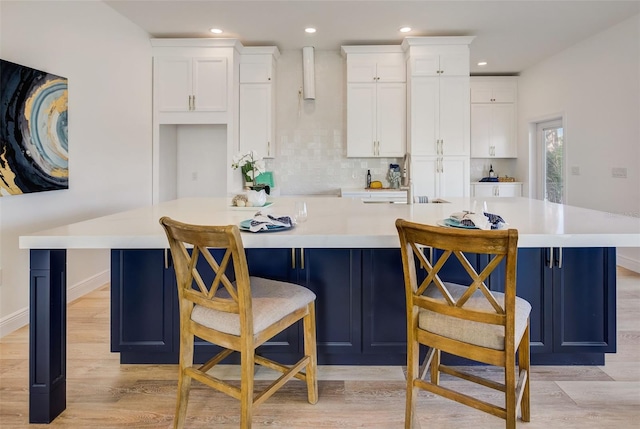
[[259, 167]]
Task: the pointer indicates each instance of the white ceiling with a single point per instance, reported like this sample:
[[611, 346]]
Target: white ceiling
[[511, 35]]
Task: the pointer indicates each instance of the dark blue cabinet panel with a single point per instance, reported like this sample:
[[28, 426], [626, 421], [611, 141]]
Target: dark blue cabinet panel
[[276, 264], [384, 322], [534, 283], [334, 275], [143, 295], [584, 300]]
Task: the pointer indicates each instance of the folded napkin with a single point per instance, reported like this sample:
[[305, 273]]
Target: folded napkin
[[479, 220], [264, 222]]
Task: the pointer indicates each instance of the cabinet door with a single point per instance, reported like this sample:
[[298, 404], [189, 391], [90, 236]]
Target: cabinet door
[[454, 64], [384, 321], [256, 72], [256, 121], [503, 134], [584, 301], [361, 119], [172, 83], [493, 92], [391, 113], [361, 68], [334, 275], [210, 84], [424, 116], [509, 190], [143, 294], [391, 67], [481, 92], [424, 172], [453, 180], [481, 125], [425, 65], [482, 190], [454, 116], [504, 92], [276, 264], [534, 284]]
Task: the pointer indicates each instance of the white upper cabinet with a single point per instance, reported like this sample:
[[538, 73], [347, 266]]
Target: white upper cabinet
[[493, 90], [375, 67], [493, 117], [376, 101], [439, 97], [191, 84], [446, 63], [194, 80], [257, 100]]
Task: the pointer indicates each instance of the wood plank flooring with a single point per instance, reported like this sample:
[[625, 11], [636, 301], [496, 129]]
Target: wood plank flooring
[[102, 393]]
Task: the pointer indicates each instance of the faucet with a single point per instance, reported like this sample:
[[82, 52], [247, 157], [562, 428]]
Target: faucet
[[406, 177], [406, 166]]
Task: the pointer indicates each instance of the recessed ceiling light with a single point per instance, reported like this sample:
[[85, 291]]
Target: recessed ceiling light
[[310, 30], [216, 31], [405, 29], [482, 63]]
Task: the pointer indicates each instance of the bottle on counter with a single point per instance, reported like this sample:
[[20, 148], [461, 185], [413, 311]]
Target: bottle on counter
[[368, 179], [491, 172]]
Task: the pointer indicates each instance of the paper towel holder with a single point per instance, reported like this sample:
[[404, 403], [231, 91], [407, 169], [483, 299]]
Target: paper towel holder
[[308, 73]]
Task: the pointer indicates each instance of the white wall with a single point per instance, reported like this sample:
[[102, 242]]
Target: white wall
[[107, 61], [595, 85]]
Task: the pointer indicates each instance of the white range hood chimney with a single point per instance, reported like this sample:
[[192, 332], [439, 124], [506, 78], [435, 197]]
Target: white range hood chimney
[[308, 74]]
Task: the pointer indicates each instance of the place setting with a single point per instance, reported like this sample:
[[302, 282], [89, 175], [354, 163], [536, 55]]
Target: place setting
[[265, 222], [470, 219]]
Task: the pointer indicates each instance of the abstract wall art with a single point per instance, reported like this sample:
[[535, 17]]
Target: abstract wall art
[[34, 154]]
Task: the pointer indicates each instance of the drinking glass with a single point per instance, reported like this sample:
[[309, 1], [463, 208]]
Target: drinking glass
[[300, 211]]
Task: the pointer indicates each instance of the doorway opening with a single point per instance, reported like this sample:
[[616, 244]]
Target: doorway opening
[[550, 150]]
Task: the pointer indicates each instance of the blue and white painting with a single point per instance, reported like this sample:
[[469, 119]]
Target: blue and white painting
[[34, 153]]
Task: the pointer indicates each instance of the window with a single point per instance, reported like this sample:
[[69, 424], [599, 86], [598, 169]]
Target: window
[[550, 149]]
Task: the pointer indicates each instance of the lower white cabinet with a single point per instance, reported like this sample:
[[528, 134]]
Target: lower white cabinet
[[440, 176], [493, 189]]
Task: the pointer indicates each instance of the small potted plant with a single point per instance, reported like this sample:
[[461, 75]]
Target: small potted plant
[[250, 166]]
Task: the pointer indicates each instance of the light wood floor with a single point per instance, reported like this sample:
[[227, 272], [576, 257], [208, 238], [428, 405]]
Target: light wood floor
[[102, 393]]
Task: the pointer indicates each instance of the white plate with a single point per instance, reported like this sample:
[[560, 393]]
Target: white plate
[[267, 204], [451, 223]]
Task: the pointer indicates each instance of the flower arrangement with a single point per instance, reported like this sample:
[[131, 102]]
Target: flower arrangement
[[249, 164]]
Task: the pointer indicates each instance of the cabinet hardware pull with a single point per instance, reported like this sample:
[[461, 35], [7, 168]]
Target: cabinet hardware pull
[[269, 148], [559, 257], [194, 102], [302, 258], [166, 259], [550, 257], [293, 258]]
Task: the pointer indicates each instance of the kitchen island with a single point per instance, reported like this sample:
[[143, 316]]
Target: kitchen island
[[347, 253]]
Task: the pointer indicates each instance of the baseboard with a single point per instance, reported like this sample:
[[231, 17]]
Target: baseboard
[[20, 318], [628, 263]]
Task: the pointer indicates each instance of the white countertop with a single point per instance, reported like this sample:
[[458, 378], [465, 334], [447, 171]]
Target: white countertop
[[336, 222]]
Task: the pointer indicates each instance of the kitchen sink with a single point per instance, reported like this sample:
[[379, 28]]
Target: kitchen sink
[[397, 201]]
